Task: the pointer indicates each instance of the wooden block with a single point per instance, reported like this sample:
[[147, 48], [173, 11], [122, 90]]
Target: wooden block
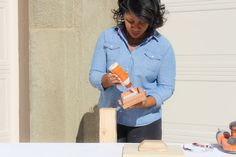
[[107, 125], [129, 98], [152, 145], [131, 150]]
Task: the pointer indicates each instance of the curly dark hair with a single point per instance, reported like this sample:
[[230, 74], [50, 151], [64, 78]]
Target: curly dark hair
[[151, 11]]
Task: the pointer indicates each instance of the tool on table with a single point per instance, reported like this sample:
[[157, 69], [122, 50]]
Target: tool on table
[[131, 96], [227, 140], [197, 147]]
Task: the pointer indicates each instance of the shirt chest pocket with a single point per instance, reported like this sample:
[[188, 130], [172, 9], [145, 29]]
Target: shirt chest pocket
[[113, 52], [152, 61]]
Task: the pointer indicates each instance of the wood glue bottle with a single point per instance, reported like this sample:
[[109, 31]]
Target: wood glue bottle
[[115, 68]]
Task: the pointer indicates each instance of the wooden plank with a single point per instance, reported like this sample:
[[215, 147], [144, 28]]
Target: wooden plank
[[107, 125], [131, 150], [129, 98], [152, 145]]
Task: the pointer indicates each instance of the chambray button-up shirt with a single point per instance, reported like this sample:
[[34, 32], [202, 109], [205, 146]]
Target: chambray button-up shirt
[[151, 66]]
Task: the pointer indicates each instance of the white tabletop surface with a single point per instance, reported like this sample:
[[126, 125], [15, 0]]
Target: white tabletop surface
[[80, 150]]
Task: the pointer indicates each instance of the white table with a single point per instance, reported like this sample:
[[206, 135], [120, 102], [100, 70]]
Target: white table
[[79, 150]]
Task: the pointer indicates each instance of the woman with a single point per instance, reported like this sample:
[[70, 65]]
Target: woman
[[148, 58]]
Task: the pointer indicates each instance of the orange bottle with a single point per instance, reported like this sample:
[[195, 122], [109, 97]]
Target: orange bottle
[[115, 68]]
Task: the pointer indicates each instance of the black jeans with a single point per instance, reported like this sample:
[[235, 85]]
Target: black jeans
[[128, 134]]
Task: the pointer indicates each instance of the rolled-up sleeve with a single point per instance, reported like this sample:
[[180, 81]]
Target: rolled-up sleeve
[[165, 83], [98, 65]]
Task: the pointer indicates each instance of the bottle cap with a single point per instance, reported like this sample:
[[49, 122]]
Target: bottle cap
[[129, 85], [113, 66]]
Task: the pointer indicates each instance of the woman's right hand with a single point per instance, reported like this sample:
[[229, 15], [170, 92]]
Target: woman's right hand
[[110, 79]]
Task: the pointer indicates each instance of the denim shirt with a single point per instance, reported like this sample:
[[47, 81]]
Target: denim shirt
[[151, 66]]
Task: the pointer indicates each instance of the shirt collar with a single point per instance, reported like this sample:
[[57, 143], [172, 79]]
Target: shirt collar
[[119, 32], [155, 35]]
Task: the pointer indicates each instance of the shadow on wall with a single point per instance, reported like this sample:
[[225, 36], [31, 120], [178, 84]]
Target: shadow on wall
[[89, 127]]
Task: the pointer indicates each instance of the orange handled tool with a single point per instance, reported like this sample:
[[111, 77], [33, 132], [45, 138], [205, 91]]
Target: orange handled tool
[[227, 140]]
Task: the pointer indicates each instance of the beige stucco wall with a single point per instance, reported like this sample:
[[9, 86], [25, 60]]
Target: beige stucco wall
[[62, 37]]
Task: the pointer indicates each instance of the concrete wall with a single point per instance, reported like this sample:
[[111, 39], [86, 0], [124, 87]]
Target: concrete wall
[[62, 36]]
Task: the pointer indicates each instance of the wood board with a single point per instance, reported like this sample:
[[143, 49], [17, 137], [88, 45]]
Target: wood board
[[107, 125], [131, 150]]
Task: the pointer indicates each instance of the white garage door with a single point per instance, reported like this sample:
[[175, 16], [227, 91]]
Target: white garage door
[[203, 35], [9, 90]]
